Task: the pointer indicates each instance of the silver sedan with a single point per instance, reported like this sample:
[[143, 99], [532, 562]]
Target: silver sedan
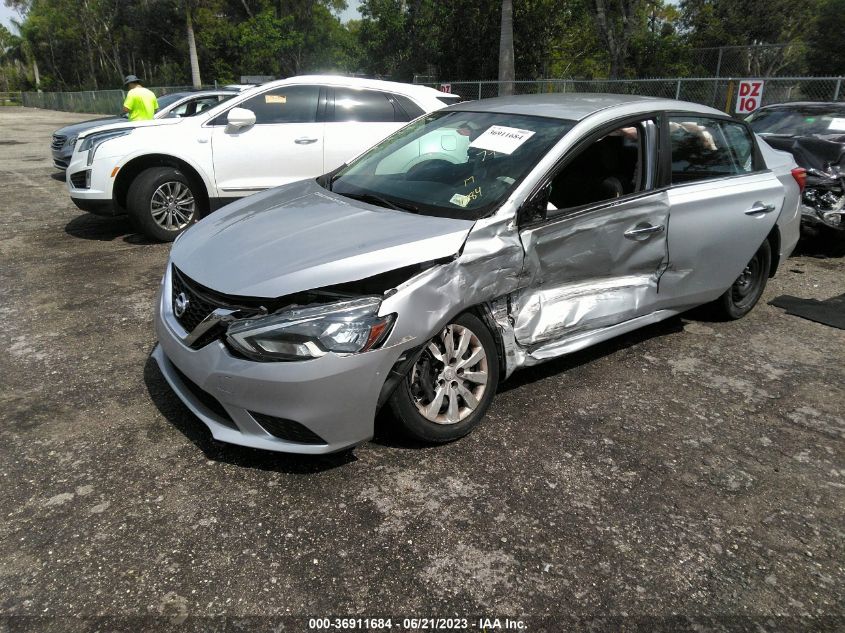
[[476, 240]]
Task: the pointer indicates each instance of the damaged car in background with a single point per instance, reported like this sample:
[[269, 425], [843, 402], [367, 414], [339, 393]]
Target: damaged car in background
[[814, 133], [476, 240]]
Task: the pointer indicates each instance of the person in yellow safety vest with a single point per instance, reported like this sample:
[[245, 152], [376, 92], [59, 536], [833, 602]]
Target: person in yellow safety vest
[[140, 103]]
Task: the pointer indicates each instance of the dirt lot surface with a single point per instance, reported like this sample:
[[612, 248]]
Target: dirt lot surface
[[690, 476]]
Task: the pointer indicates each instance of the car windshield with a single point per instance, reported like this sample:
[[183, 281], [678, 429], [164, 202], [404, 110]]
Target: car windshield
[[450, 163], [170, 99], [799, 121]]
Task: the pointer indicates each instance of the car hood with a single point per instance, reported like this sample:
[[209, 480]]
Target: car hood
[[300, 237], [133, 124], [812, 152], [76, 128]]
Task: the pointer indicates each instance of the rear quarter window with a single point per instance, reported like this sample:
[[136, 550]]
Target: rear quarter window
[[410, 109]]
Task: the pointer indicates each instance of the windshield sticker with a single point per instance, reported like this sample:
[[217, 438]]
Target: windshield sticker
[[460, 200], [505, 140], [463, 200], [837, 125], [275, 99]]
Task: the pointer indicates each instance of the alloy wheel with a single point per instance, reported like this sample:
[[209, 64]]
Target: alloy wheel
[[450, 377], [172, 206]]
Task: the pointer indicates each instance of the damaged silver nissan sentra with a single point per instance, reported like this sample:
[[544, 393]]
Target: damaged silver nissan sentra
[[476, 240]]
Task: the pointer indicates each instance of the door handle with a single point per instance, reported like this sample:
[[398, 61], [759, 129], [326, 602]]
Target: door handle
[[759, 207], [304, 140], [643, 230]]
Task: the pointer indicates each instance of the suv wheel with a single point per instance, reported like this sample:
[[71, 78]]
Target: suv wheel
[[448, 390], [162, 203]]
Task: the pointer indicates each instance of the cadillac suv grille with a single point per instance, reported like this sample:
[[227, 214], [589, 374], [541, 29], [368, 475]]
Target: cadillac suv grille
[[58, 141]]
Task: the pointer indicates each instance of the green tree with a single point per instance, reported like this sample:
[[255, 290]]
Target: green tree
[[826, 54]]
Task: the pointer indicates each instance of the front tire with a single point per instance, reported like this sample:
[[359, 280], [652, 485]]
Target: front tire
[[450, 387], [743, 295], [162, 203]]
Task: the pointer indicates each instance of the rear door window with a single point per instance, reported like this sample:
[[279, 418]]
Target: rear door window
[[363, 106], [705, 148]]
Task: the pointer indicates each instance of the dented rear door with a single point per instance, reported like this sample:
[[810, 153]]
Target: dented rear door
[[591, 268], [724, 203]]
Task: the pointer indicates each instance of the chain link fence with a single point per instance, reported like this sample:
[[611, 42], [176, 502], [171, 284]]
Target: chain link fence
[[756, 60], [716, 92], [10, 98], [92, 101]]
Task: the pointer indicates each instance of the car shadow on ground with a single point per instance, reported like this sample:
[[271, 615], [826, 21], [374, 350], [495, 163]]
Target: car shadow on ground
[[825, 245], [388, 434], [104, 229], [175, 412], [59, 175]]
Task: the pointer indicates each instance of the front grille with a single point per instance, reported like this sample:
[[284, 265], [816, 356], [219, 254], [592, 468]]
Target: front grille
[[58, 141], [210, 402], [287, 430], [81, 179], [60, 162], [198, 306], [202, 301]]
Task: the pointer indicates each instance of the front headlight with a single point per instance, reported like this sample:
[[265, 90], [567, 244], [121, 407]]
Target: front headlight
[[91, 143], [349, 326]]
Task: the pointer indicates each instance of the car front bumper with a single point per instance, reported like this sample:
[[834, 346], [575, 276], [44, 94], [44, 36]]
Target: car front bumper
[[267, 405], [90, 186]]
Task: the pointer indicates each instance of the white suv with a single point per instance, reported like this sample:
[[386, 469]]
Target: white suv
[[168, 173]]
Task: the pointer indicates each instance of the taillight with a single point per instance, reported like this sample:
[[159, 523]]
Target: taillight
[[800, 175]]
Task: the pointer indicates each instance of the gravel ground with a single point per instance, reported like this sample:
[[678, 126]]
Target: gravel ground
[[689, 476]]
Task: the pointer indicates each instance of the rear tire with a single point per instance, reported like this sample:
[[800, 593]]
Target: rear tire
[[162, 202], [743, 295], [450, 387]]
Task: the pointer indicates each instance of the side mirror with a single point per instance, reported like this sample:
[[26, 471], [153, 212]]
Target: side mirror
[[534, 209], [240, 117]]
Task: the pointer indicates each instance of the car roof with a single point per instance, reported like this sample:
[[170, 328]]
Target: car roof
[[577, 106], [357, 82]]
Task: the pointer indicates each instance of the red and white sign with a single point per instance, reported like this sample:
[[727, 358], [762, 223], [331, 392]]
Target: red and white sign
[[750, 96], [446, 88]]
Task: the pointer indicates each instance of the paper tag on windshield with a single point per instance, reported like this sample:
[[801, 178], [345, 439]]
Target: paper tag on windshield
[[837, 125], [498, 138], [460, 200], [275, 99]]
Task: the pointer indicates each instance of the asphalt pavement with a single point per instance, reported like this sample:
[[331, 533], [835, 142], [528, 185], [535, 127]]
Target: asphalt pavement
[[689, 476]]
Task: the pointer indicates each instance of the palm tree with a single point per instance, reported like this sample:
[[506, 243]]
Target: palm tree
[[506, 69], [192, 47]]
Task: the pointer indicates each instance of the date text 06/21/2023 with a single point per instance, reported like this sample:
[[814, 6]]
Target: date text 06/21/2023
[[417, 624]]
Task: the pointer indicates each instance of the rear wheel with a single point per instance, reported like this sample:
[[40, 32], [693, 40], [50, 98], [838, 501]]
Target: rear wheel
[[743, 295], [449, 388], [162, 203]]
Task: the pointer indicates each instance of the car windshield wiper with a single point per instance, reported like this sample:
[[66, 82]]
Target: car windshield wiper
[[376, 199]]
